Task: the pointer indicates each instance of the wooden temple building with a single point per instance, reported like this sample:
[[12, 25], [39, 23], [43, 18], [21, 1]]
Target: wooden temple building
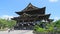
[[30, 16]]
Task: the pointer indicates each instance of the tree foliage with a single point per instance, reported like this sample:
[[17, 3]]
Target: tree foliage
[[57, 25], [53, 26], [6, 23]]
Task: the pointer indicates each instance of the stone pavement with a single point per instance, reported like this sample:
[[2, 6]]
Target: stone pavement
[[17, 32]]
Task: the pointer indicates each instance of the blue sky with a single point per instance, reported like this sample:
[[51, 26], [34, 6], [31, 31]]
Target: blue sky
[[9, 7]]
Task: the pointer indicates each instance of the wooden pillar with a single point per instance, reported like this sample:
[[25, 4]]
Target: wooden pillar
[[22, 20]]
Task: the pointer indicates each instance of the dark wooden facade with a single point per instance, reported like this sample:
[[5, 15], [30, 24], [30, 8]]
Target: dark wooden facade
[[30, 16]]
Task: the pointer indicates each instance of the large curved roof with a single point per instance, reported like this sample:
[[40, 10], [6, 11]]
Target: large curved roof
[[30, 7]]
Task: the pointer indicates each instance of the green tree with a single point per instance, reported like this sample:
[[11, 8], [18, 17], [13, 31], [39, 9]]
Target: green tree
[[6, 23], [57, 25]]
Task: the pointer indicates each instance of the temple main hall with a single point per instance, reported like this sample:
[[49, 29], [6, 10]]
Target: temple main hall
[[30, 16]]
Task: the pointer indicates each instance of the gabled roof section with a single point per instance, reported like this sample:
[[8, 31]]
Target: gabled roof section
[[30, 7]]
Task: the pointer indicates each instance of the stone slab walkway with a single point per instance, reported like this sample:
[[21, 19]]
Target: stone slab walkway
[[17, 32]]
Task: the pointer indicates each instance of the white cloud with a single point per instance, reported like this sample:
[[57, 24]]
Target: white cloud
[[6, 17], [53, 0], [56, 18]]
